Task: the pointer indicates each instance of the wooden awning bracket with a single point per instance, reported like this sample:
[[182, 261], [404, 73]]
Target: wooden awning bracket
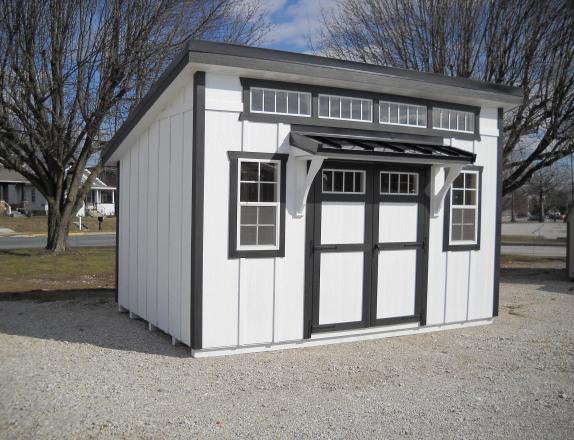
[[437, 197], [304, 185]]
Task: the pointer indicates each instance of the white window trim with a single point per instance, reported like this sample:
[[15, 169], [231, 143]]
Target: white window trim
[[399, 193], [263, 89], [398, 115], [475, 206], [370, 101], [276, 204], [472, 115], [363, 177]]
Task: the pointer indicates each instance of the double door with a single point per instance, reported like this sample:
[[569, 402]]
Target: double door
[[369, 246]]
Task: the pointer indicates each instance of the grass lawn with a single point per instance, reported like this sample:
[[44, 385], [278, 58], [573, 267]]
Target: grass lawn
[[39, 224], [32, 269]]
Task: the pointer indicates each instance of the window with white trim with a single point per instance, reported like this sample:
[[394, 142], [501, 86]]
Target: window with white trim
[[346, 108], [393, 183], [258, 204], [464, 209], [453, 120], [282, 102], [402, 114], [343, 181]]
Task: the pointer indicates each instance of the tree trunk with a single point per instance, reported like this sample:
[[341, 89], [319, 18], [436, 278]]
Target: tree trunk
[[512, 213], [58, 228], [541, 205]]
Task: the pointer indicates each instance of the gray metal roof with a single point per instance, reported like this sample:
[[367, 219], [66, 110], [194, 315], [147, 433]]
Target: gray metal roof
[[9, 176]]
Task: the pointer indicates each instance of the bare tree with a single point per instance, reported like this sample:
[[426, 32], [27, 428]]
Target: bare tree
[[524, 43], [547, 186], [71, 70]]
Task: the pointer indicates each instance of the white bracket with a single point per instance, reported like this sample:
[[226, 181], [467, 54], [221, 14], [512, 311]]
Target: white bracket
[[303, 189], [437, 198]]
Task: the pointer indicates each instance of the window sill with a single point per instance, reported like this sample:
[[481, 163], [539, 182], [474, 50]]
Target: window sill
[[461, 247], [256, 253]]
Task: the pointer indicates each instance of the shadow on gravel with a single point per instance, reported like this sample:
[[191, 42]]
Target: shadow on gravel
[[553, 280], [81, 316]]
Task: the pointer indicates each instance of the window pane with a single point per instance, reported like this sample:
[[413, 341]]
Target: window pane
[[412, 115], [359, 182], [402, 114], [384, 111], [470, 180], [403, 183], [248, 192], [458, 182], [470, 122], [468, 233], [349, 184], [367, 110], [267, 215], [456, 234], [248, 215], [305, 104], [384, 182], [249, 171], [436, 118], [470, 197], [338, 181], [327, 181], [394, 109], [324, 106], [267, 192], [468, 217], [346, 108], [422, 119], [281, 102], [248, 235], [457, 216], [266, 235], [460, 119], [293, 103], [413, 183], [269, 101], [356, 109], [457, 197], [335, 107], [256, 100], [268, 172], [394, 183]]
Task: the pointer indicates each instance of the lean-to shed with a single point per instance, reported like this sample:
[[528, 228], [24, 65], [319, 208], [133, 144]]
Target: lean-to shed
[[271, 200]]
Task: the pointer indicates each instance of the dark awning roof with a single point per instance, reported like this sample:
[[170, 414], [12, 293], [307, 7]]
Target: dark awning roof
[[338, 145]]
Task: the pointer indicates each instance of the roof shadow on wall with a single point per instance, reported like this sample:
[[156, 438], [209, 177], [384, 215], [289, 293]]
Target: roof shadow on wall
[[550, 280], [83, 317]]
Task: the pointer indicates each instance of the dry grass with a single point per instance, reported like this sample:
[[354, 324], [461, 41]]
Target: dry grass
[[24, 270], [39, 224]]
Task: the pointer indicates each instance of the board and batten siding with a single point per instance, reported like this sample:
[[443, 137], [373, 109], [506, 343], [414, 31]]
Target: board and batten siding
[[155, 216], [246, 301]]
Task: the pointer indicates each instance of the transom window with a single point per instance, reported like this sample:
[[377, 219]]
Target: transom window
[[343, 181], [399, 183], [340, 107], [453, 120], [283, 102], [464, 208], [258, 204], [402, 114]]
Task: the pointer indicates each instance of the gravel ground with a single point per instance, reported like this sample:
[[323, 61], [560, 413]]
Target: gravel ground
[[75, 368]]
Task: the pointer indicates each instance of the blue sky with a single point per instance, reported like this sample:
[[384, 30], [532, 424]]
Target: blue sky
[[294, 21]]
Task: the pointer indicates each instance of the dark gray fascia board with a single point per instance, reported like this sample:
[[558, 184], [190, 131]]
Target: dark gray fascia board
[[158, 87], [348, 67]]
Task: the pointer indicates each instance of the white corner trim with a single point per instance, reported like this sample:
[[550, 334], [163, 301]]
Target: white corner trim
[[437, 197], [338, 337]]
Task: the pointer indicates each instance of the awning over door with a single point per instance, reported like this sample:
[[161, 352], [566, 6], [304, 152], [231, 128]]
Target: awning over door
[[372, 148]]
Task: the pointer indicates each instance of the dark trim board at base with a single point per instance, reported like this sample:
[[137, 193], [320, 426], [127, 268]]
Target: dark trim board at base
[[497, 236], [198, 181]]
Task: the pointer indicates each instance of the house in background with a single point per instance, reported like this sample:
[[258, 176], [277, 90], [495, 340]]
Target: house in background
[[21, 195], [274, 200]]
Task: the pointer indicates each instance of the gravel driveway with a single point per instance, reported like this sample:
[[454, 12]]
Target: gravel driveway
[[76, 368]]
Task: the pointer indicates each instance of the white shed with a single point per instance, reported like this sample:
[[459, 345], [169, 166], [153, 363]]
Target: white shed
[[271, 200]]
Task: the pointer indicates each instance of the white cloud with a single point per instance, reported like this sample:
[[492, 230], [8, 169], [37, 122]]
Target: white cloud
[[298, 21]]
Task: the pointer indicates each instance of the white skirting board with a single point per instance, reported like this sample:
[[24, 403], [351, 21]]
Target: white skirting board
[[339, 337]]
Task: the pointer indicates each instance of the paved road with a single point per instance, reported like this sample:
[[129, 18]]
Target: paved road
[[537, 251], [74, 241], [548, 230]]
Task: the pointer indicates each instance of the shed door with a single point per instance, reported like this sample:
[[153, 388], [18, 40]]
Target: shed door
[[367, 246]]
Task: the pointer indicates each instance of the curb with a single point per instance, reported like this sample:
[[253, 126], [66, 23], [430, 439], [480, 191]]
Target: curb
[[537, 244], [72, 234]]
